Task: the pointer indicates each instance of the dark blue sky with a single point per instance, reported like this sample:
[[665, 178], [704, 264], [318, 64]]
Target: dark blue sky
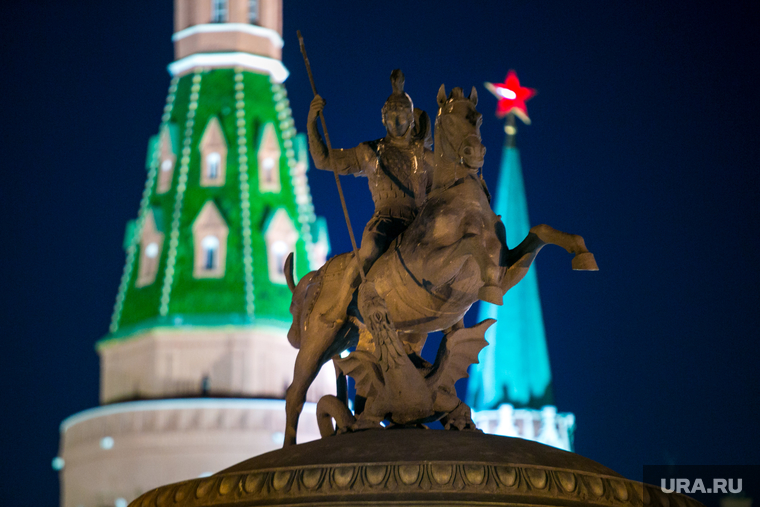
[[644, 140]]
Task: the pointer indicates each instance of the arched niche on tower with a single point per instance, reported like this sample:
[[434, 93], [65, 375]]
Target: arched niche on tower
[[167, 159], [210, 233], [213, 148], [281, 235], [151, 244], [268, 159]]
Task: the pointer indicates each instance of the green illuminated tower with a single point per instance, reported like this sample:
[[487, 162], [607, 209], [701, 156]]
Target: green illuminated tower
[[510, 389], [196, 360]]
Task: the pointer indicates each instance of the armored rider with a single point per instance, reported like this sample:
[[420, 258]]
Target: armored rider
[[397, 167]]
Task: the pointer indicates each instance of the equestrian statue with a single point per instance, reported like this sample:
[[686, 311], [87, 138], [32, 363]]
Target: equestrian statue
[[432, 249]]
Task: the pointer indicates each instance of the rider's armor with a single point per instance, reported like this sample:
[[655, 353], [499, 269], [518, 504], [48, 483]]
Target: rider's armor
[[396, 175], [397, 169]]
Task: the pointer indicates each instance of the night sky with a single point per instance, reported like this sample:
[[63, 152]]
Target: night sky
[[644, 140]]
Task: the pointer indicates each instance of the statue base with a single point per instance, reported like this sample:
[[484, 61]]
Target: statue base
[[414, 467]]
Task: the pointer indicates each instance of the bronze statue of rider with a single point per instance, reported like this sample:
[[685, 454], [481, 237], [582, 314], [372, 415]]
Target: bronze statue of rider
[[397, 168]]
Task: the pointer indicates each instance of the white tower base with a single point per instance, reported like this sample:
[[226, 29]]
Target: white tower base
[[114, 453]]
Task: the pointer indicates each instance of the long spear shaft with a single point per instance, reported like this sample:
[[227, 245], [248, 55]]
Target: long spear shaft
[[329, 149]]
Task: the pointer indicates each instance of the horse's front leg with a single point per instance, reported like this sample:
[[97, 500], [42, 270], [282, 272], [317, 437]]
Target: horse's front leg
[[520, 258], [573, 243]]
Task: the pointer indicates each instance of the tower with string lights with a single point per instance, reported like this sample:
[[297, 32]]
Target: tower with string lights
[[510, 389], [196, 361]]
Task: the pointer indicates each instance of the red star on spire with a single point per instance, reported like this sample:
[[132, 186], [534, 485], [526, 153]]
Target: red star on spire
[[512, 97]]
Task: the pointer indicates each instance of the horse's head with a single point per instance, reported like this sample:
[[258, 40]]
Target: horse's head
[[457, 131]]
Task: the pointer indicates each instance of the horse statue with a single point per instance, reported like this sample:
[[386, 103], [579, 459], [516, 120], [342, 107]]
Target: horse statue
[[453, 254]]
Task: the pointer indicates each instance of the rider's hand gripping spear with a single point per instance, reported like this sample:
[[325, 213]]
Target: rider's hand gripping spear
[[329, 149]]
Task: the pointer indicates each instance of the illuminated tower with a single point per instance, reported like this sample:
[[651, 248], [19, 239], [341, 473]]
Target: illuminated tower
[[196, 361], [510, 388]]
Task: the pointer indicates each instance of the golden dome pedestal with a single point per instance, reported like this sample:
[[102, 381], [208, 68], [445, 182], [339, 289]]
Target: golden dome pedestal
[[411, 467]]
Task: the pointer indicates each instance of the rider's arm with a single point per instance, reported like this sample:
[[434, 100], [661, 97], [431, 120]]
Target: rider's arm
[[344, 161]]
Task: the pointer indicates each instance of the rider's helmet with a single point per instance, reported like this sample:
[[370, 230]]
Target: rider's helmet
[[398, 111]]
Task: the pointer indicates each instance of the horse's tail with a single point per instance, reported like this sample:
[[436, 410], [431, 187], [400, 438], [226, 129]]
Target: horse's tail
[[305, 294], [294, 333], [288, 270]]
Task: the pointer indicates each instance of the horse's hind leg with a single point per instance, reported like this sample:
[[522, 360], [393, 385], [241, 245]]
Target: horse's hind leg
[[341, 382], [306, 370], [520, 258], [573, 243]]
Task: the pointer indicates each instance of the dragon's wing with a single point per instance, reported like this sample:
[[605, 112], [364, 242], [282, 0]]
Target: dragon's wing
[[460, 350], [363, 368]]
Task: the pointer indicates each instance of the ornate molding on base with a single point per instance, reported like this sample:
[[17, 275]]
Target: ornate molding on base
[[411, 483], [414, 467]]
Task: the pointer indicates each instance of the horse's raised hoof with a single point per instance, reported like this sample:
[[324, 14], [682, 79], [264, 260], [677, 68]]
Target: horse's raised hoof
[[492, 294], [585, 262]]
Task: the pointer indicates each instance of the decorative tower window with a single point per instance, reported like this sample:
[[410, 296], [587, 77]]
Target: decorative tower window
[[213, 155], [167, 158], [279, 254], [210, 247], [218, 11], [210, 239], [150, 250], [253, 12], [267, 170], [269, 160], [213, 161], [281, 237]]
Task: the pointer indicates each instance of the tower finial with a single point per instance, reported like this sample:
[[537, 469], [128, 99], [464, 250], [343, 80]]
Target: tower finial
[[512, 97]]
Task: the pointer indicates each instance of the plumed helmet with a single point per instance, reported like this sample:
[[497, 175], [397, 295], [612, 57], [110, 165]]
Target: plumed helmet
[[398, 97]]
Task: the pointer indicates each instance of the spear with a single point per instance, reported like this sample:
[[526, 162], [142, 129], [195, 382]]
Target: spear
[[329, 149]]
